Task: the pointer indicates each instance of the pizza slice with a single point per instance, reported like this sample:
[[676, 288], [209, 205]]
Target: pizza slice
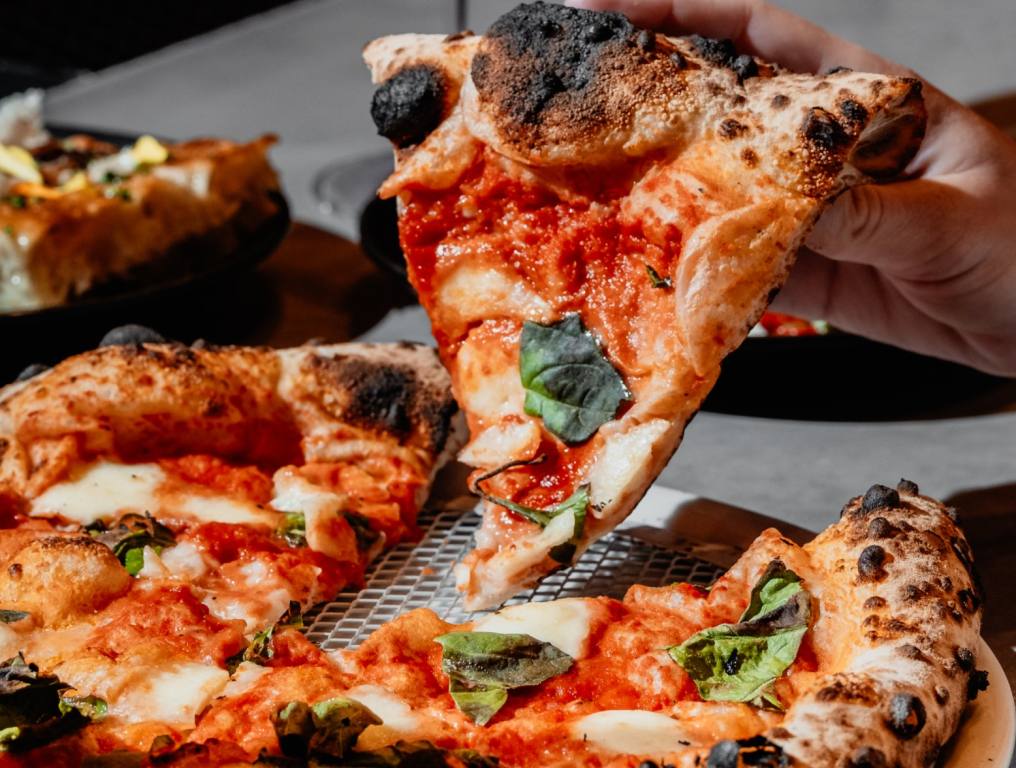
[[860, 648], [593, 216], [165, 509], [77, 213]]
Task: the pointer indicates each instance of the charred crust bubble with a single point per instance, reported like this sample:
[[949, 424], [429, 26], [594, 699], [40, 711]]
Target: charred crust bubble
[[837, 70], [907, 486], [853, 112], [731, 128], [379, 396], [131, 334], [723, 53], [880, 528], [965, 659], [870, 563], [912, 652], [823, 130], [875, 602], [969, 601], [880, 497], [756, 751], [780, 101], [409, 104], [978, 682], [906, 716], [546, 50], [867, 757]]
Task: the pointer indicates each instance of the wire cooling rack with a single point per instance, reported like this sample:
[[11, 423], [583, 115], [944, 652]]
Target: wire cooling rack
[[420, 575]]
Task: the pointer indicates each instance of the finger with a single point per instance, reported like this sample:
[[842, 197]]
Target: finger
[[755, 27]]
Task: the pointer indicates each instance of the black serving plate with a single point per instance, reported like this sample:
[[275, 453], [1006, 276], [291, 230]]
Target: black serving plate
[[834, 377], [170, 299]]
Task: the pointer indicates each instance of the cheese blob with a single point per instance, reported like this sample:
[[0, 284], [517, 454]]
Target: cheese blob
[[562, 623], [630, 732]]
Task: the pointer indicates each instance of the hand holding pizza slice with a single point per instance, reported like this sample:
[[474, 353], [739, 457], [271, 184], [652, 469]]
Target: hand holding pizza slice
[[593, 216]]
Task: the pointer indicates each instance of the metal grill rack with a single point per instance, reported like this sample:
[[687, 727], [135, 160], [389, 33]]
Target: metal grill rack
[[420, 575]]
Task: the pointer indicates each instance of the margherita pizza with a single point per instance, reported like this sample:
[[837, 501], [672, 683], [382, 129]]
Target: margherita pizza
[[162, 507], [593, 216], [78, 212], [858, 649]]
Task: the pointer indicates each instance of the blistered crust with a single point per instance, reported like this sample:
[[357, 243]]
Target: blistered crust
[[142, 401], [901, 656]]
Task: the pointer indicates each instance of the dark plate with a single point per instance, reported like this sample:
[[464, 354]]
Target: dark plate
[[838, 377], [163, 299]]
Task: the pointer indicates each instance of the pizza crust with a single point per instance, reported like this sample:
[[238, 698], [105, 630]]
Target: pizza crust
[[259, 405]]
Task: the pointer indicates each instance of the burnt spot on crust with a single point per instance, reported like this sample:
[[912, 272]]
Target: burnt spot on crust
[[941, 694], [409, 104], [723, 53], [749, 158], [756, 751], [850, 690], [867, 757], [780, 101], [965, 659], [460, 35], [731, 128], [388, 397], [131, 334], [880, 528], [871, 562], [969, 601], [837, 70], [907, 486], [874, 603], [823, 131], [978, 682], [853, 112], [913, 652], [880, 497], [906, 716]]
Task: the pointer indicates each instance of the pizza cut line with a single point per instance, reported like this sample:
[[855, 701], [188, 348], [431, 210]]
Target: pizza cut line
[[593, 216], [78, 212], [857, 649]]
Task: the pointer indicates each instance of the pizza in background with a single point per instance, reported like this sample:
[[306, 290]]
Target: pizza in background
[[593, 216], [79, 212]]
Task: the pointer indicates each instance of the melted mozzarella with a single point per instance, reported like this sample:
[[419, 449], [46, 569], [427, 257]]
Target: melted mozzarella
[[478, 293], [562, 623], [623, 460], [101, 492], [222, 509], [244, 678], [174, 694], [185, 561], [630, 732], [502, 443], [194, 176], [395, 713], [319, 507]]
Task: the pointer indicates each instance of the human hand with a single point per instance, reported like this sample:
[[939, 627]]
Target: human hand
[[928, 263]]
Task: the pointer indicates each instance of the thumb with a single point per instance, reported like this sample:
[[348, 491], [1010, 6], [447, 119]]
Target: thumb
[[901, 229]]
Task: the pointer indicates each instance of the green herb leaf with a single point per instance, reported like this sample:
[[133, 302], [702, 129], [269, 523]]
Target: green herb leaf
[[483, 666], [33, 709], [478, 702], [9, 617], [740, 662], [657, 280], [326, 729], [16, 201], [129, 536], [366, 537], [8, 230], [262, 646], [294, 529], [568, 381]]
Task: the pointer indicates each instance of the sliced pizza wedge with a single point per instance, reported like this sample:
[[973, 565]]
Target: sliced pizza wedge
[[165, 509], [593, 216]]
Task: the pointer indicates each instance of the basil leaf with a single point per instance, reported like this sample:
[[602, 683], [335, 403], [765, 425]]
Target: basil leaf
[[657, 280], [134, 560], [366, 537], [483, 666], [262, 646], [8, 616], [326, 729], [131, 534], [479, 703], [33, 709], [294, 529], [568, 381], [740, 662]]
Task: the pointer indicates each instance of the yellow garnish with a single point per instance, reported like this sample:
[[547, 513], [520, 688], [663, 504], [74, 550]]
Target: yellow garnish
[[148, 151], [19, 163], [75, 183]]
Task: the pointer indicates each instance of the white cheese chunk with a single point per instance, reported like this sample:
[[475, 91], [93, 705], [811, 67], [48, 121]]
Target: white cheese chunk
[[102, 491], [622, 461], [478, 293], [174, 694], [244, 678], [562, 623], [394, 712], [630, 732], [319, 507], [185, 561], [502, 443], [209, 508]]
